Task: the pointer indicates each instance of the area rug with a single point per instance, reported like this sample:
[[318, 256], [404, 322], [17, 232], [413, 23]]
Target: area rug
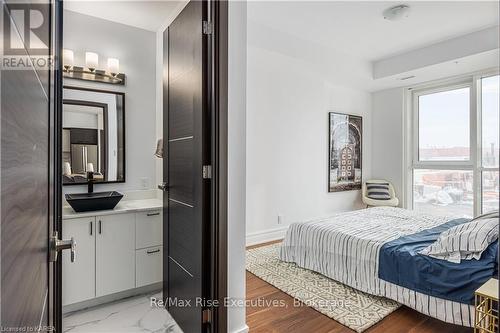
[[348, 306]]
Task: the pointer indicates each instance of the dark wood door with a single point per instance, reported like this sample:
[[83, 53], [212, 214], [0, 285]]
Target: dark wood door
[[187, 200], [28, 191]]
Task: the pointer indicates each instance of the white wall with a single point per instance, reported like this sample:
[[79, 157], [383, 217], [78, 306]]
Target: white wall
[[388, 138], [136, 50], [159, 81], [237, 46], [287, 141]]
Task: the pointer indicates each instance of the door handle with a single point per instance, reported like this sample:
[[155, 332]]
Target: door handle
[[153, 251], [100, 227], [57, 245], [163, 186]]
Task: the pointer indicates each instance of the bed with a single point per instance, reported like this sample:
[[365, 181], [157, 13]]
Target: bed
[[375, 250]]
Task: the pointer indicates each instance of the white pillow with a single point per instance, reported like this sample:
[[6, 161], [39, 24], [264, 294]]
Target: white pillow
[[464, 241]]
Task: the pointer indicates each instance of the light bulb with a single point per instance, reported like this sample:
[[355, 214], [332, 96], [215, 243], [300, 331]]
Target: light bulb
[[91, 60], [68, 58], [113, 66]]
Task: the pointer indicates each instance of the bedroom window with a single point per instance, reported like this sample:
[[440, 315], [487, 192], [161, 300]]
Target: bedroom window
[[444, 125], [490, 120], [455, 139]]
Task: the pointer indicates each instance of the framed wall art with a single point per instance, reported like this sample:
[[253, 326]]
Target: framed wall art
[[345, 152]]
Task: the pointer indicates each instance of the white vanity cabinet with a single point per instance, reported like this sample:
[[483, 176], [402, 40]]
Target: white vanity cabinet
[[115, 253], [149, 249], [149, 266], [148, 229], [78, 282]]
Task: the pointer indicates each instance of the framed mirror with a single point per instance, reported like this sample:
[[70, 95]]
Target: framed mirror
[[93, 135]]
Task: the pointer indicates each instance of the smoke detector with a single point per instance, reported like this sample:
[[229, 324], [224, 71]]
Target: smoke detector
[[396, 13]]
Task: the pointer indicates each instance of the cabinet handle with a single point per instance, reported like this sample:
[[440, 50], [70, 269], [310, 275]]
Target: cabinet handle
[[152, 251], [153, 214], [100, 227], [91, 227]]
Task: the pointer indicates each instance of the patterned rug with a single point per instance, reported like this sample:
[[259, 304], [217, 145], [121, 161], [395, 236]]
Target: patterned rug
[[348, 306]]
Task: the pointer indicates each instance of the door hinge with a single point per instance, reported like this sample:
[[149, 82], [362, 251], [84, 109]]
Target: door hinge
[[207, 172], [207, 28], [207, 316]]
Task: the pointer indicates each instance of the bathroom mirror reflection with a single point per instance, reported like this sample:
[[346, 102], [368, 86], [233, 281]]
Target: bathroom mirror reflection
[[93, 136]]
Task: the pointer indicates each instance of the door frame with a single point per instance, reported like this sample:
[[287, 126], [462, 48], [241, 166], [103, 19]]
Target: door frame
[[218, 15], [56, 156], [49, 311]]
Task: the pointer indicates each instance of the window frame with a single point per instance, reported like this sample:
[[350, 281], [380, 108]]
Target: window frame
[[478, 195], [411, 117], [416, 122]]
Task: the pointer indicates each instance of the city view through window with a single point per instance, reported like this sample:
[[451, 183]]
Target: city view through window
[[444, 136]]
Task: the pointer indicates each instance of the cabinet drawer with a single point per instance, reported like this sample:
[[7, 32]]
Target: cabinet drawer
[[148, 229], [149, 266]]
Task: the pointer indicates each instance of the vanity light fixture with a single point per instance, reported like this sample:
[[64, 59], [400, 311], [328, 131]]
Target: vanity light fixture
[[113, 66], [68, 59], [91, 60], [91, 71]]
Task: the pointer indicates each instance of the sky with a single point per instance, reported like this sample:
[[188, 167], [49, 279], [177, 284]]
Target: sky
[[444, 117], [491, 118]]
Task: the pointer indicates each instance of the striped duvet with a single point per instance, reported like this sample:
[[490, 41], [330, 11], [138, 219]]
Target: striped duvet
[[345, 247]]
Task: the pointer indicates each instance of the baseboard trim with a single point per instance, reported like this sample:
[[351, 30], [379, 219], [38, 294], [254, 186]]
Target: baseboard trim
[[244, 329], [265, 236], [112, 298]]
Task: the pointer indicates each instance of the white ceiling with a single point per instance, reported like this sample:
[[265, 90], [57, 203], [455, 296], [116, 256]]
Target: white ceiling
[[352, 35], [358, 28], [148, 15], [354, 27], [342, 40]]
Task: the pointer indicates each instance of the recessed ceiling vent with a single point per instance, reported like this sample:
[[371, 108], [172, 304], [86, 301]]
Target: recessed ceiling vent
[[407, 77], [397, 12]]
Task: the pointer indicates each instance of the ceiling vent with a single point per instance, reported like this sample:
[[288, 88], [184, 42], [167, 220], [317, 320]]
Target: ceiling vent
[[407, 77]]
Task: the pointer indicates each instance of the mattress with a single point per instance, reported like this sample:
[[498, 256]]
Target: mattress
[[346, 248]]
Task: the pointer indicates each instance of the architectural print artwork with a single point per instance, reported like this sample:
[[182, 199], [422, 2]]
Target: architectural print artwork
[[345, 152]]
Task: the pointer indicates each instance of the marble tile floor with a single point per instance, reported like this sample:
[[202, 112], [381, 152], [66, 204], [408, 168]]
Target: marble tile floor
[[134, 314]]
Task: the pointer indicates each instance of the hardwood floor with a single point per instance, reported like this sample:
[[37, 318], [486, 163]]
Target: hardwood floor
[[288, 318]]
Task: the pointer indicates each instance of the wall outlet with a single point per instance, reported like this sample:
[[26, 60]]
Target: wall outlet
[[281, 219]]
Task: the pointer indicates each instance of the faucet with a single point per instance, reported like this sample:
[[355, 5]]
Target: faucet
[[90, 181]]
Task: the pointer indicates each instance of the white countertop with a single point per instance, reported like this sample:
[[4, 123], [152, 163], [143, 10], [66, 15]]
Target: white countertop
[[124, 206]]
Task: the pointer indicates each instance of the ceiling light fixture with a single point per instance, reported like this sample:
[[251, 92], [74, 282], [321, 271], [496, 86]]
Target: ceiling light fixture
[[396, 13]]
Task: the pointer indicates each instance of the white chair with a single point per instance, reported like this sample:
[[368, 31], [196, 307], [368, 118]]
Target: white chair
[[392, 202]]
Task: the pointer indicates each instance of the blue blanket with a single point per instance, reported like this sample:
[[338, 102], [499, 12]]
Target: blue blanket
[[401, 264]]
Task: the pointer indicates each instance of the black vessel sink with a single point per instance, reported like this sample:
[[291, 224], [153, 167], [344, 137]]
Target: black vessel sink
[[85, 202]]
